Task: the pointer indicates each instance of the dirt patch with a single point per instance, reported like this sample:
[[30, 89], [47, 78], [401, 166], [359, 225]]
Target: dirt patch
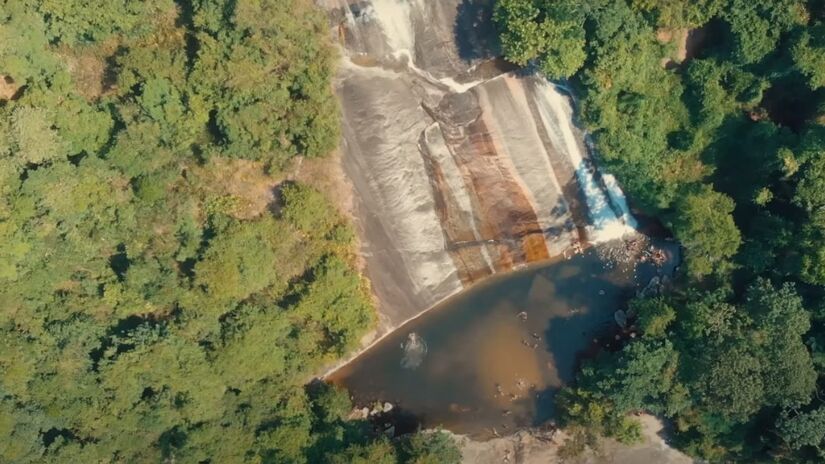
[[541, 446], [664, 35], [327, 176], [244, 184], [88, 68], [679, 37], [8, 88], [688, 43]]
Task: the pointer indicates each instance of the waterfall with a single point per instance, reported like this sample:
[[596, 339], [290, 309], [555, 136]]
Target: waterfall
[[607, 206], [460, 169], [395, 19]]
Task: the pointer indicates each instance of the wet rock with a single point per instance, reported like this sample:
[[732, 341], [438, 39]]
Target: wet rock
[[459, 169], [621, 318]]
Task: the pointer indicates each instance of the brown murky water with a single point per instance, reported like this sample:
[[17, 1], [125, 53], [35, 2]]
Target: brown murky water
[[497, 353]]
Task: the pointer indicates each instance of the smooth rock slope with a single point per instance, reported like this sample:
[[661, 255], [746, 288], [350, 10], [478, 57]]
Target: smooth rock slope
[[461, 167]]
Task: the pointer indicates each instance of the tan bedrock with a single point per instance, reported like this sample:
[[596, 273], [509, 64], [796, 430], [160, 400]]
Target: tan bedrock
[[460, 167]]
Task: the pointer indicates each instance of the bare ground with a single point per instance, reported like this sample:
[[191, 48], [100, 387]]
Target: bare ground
[[528, 447]]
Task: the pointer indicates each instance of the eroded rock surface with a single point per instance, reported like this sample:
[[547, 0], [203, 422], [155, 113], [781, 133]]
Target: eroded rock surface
[[461, 167]]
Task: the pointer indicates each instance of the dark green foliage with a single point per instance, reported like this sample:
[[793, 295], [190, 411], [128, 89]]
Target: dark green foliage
[[809, 55], [551, 34], [726, 147], [148, 313], [803, 429], [430, 448], [654, 316], [757, 26]]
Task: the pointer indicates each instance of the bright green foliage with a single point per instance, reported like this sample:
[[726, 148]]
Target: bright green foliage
[[810, 191], [99, 19], [809, 55], [248, 258], [551, 33], [680, 14], [706, 229], [143, 318], [33, 138], [308, 210], [258, 117]]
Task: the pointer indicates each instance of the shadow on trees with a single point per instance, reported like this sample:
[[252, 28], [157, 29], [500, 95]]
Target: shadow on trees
[[474, 30]]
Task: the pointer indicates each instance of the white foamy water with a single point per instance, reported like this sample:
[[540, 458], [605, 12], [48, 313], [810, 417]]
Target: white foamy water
[[601, 198], [395, 17], [396, 22]]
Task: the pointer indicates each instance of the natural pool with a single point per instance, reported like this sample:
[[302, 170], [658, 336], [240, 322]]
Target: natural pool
[[491, 359]]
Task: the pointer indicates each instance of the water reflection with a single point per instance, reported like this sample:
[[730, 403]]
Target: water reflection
[[491, 359]]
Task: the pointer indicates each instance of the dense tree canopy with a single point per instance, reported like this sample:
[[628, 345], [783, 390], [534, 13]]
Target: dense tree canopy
[[151, 309], [711, 115]]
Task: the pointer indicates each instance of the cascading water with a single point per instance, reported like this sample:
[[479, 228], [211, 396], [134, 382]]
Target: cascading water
[[396, 22], [606, 203], [461, 170]]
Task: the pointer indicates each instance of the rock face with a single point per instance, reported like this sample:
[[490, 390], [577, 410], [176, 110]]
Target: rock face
[[461, 167]]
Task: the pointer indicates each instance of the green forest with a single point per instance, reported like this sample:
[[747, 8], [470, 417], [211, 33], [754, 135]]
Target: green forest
[[722, 138], [150, 313]]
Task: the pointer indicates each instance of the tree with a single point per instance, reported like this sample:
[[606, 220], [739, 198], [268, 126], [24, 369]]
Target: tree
[[640, 378], [144, 319], [706, 229], [810, 191], [654, 316], [379, 452], [756, 27], [430, 448], [734, 386], [553, 35], [809, 55], [803, 429], [790, 378], [36, 139]]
